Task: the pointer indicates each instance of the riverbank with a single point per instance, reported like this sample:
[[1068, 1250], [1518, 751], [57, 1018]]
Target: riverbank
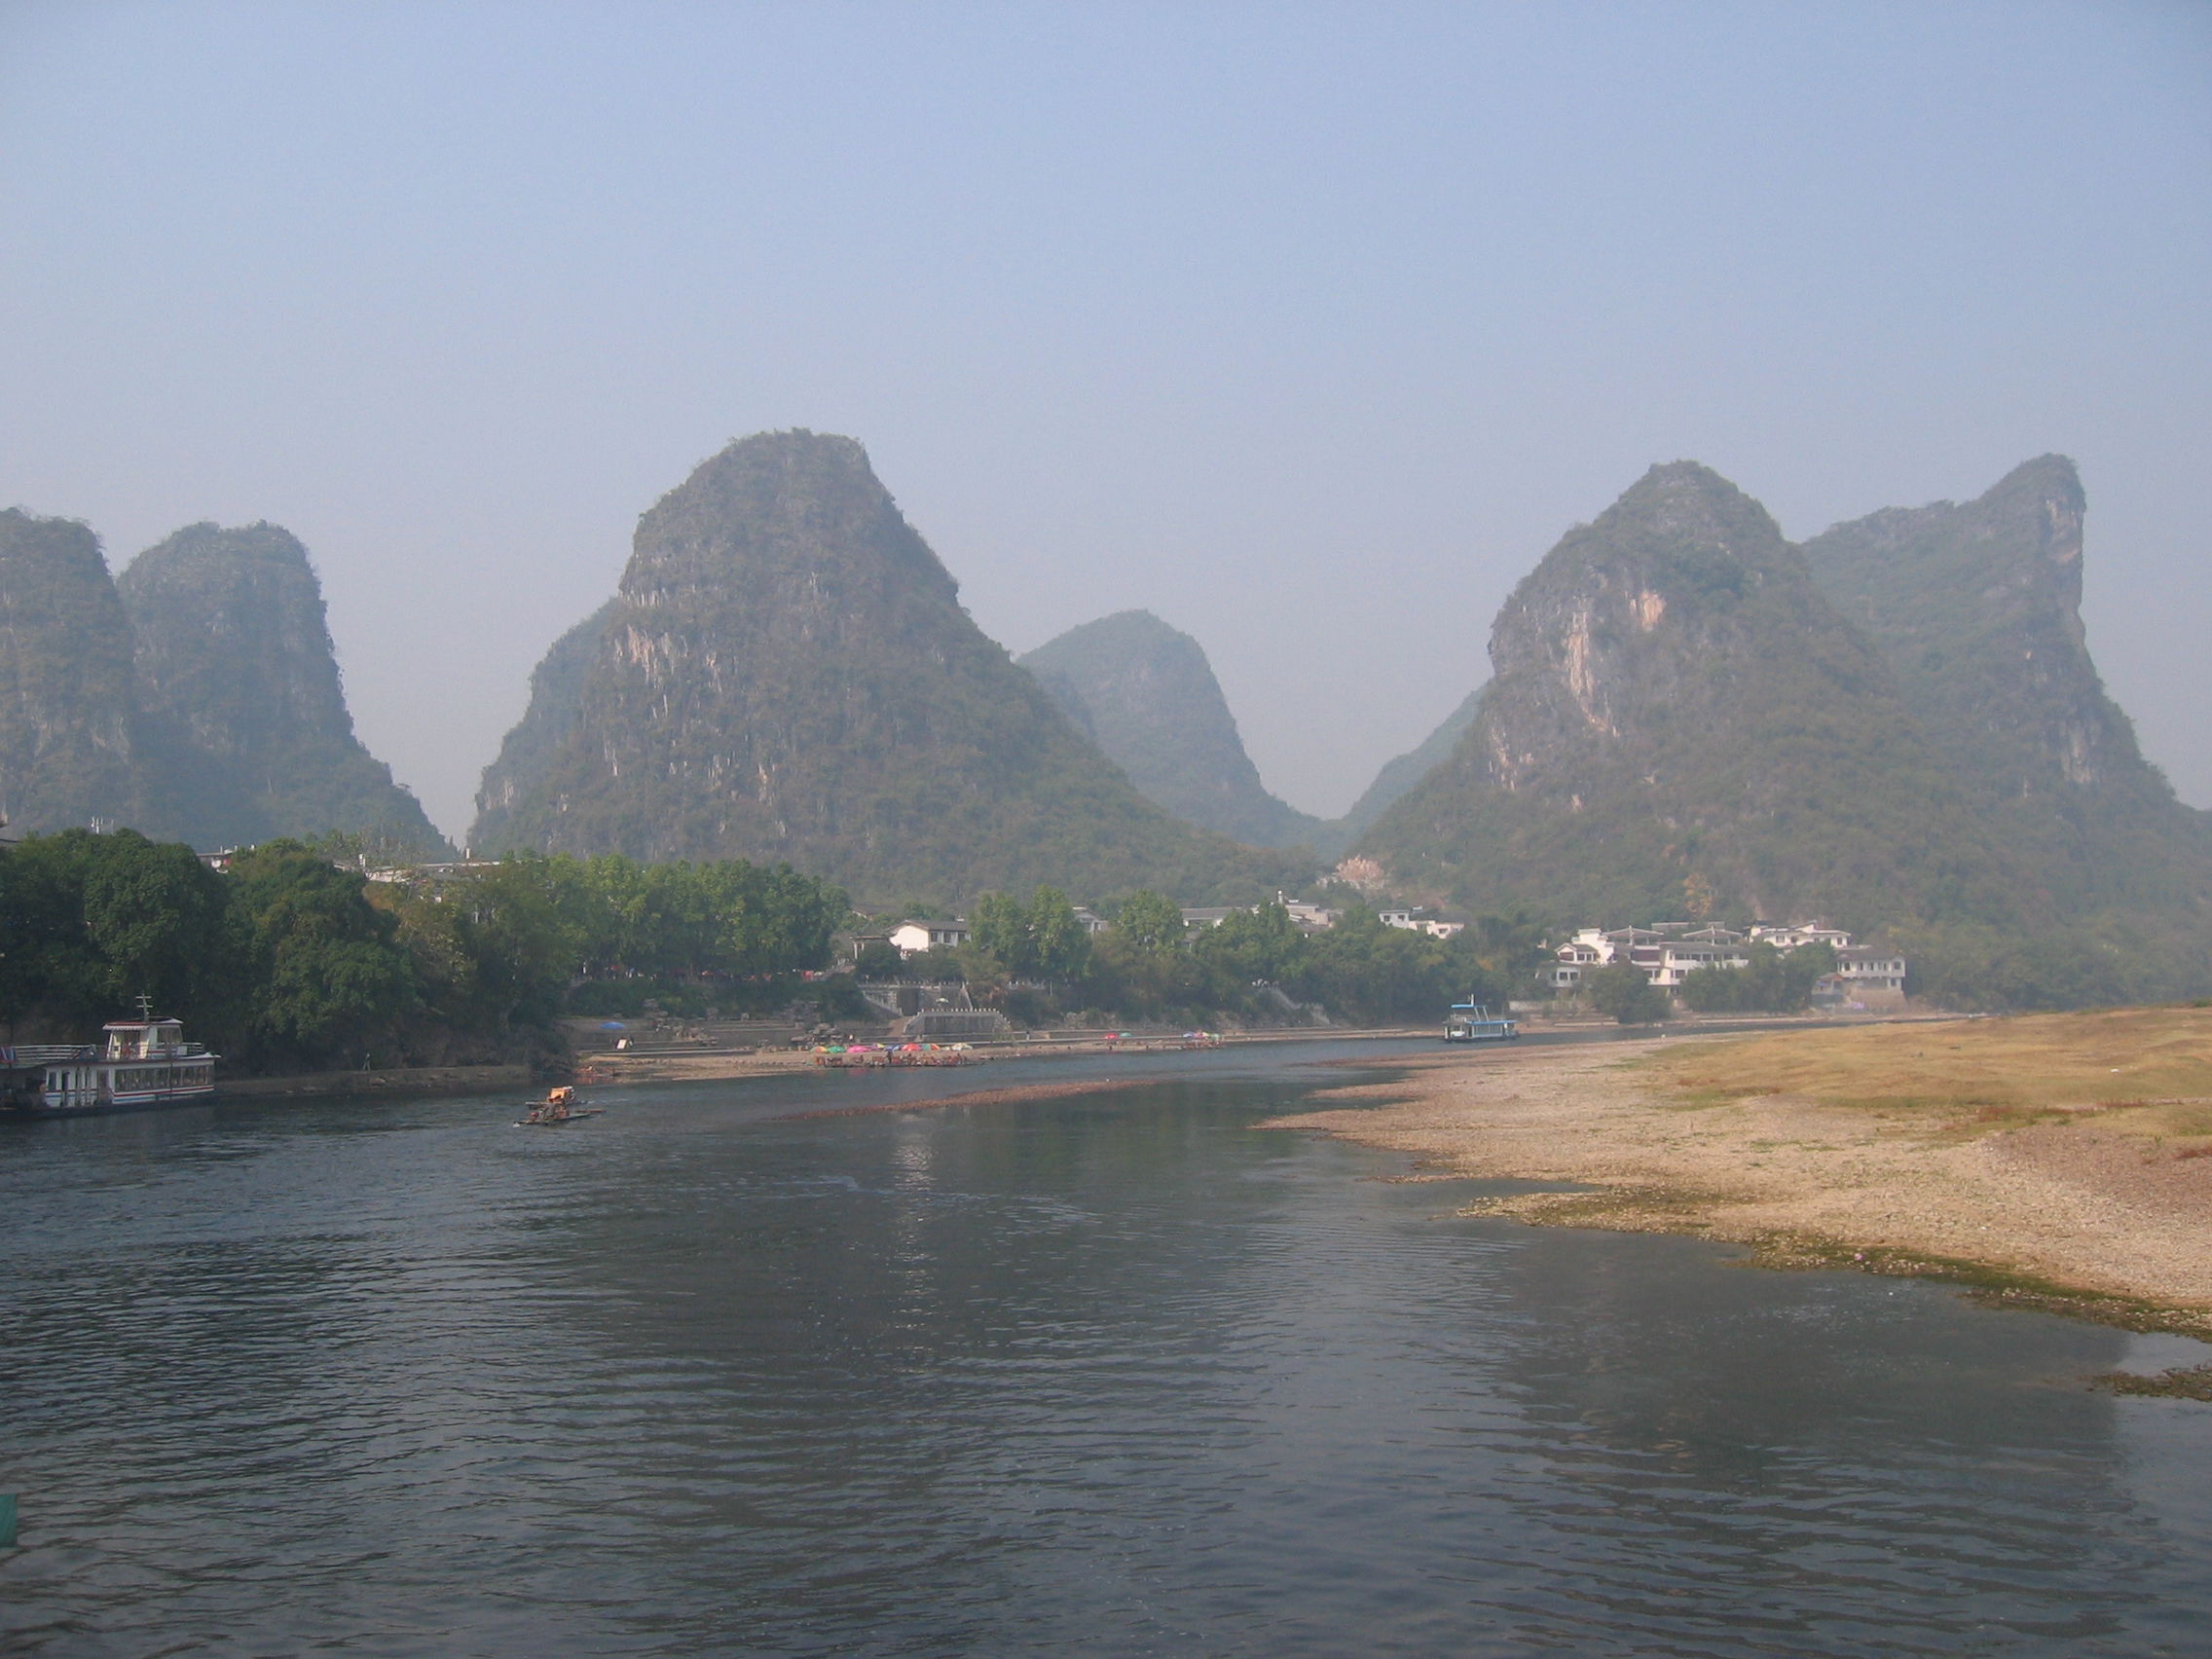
[[678, 1065], [2060, 1162], [394, 1079]]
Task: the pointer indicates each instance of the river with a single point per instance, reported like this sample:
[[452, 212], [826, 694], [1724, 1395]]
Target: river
[[1111, 1375]]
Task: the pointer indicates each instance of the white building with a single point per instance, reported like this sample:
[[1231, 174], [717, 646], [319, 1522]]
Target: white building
[[1418, 918], [1670, 951], [1788, 939], [1865, 974], [911, 938]]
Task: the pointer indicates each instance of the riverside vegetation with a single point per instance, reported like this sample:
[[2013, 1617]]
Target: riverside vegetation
[[288, 962], [291, 961], [1035, 961]]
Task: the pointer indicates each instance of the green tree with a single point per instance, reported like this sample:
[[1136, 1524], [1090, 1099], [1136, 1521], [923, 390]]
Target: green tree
[[325, 973], [1150, 921], [1059, 945], [1625, 991], [1001, 928], [879, 960], [87, 922], [1262, 943]]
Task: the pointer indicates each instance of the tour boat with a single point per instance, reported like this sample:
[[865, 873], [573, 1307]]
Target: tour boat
[[144, 1062], [1473, 1023]]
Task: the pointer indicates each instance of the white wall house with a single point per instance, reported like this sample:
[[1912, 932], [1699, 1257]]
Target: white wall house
[[1875, 977], [1418, 918], [1670, 951], [1788, 939], [910, 938]]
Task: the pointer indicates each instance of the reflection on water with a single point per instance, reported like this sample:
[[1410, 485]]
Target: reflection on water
[[1108, 1375]]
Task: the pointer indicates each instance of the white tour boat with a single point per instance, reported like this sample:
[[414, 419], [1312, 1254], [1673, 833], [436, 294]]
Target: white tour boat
[[143, 1062]]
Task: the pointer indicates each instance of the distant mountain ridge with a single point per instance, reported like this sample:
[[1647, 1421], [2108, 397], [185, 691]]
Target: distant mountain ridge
[[197, 699], [1681, 722], [1147, 695], [786, 673]]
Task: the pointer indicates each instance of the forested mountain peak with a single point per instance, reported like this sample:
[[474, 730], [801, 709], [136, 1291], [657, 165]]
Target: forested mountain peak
[[68, 694], [1680, 722], [240, 678], [781, 507], [1146, 694], [1977, 607], [787, 673]]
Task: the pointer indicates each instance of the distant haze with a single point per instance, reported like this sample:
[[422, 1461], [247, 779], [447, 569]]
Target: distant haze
[[1307, 329]]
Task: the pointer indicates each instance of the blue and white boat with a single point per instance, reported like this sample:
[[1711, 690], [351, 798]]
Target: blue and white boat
[[1473, 1023]]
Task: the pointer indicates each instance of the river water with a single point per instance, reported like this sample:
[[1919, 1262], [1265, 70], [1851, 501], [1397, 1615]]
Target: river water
[[1115, 1374]]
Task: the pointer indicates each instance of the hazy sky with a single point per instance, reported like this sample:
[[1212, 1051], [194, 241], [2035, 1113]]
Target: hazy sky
[[1309, 327]]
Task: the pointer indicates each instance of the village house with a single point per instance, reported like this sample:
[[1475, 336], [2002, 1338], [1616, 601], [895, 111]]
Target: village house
[[1418, 918], [1089, 920], [1669, 952], [1209, 916], [1867, 975], [912, 938]]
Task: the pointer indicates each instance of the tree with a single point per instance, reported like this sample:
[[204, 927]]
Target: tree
[[1625, 991], [1150, 921], [1262, 943], [1059, 945], [326, 975], [87, 922], [1001, 929], [878, 960]]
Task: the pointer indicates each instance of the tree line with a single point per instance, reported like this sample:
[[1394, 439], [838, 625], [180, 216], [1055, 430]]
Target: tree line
[[1036, 961], [290, 961]]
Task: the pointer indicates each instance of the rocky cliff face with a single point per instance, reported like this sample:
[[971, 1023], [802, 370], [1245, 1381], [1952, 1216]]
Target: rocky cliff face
[[1978, 608], [1147, 695], [529, 750], [1681, 723], [241, 686], [786, 674], [69, 725]]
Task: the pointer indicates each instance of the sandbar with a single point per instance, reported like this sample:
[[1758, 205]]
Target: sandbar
[[2061, 1161]]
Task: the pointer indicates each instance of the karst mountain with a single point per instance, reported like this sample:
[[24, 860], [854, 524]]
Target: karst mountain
[[242, 697], [787, 673], [1147, 695], [1681, 723], [70, 742], [195, 699], [1976, 606]]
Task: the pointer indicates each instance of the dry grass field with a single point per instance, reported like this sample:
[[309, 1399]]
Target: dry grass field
[[2135, 1071]]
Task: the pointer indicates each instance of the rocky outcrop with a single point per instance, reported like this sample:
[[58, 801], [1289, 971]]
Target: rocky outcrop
[[529, 752], [242, 691], [1147, 695], [1978, 608], [69, 721], [1680, 722], [786, 674]]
